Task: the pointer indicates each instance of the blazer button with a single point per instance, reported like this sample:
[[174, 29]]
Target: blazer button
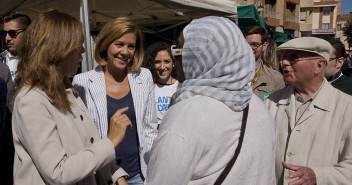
[[92, 140], [110, 181], [81, 117], [290, 154]]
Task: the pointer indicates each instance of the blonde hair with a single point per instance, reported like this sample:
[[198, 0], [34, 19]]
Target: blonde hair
[[46, 42], [113, 30]]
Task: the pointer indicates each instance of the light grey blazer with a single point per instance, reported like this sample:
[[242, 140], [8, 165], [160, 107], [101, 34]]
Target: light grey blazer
[[56, 148], [91, 87]]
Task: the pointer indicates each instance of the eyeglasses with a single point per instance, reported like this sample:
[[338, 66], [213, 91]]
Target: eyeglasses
[[295, 58], [175, 51], [330, 59], [12, 33], [255, 44]]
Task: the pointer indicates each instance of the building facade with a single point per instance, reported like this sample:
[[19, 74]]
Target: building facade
[[318, 18], [281, 15]]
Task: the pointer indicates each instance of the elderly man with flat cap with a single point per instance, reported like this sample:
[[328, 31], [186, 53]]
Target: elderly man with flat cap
[[313, 119]]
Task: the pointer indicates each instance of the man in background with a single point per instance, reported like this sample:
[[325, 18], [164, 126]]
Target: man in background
[[333, 70], [15, 24], [266, 80]]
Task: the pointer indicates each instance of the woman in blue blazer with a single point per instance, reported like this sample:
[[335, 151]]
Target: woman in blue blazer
[[119, 81]]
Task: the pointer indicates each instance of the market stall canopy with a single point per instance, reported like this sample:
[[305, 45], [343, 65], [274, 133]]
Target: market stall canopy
[[144, 12], [154, 16]]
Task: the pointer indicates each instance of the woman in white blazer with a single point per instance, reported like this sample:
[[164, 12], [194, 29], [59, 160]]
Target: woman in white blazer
[[54, 137], [120, 81]]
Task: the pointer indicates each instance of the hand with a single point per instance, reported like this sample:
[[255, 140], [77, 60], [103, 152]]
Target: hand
[[121, 181], [118, 124], [305, 175]]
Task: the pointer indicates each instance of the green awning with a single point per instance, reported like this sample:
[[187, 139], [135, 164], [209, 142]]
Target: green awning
[[249, 16], [282, 37]]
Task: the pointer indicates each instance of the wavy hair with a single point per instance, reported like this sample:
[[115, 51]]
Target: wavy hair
[[46, 42], [269, 55], [113, 30], [149, 58]]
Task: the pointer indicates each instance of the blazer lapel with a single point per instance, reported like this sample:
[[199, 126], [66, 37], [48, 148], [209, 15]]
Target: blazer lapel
[[97, 91], [308, 113], [319, 102]]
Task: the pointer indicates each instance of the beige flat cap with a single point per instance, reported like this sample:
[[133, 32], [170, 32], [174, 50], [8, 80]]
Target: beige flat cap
[[308, 44]]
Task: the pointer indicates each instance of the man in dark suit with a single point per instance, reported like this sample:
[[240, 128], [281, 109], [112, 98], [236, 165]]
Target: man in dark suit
[[333, 69]]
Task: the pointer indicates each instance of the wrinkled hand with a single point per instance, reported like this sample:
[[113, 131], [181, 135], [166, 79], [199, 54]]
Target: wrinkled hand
[[118, 124], [305, 175], [121, 181]]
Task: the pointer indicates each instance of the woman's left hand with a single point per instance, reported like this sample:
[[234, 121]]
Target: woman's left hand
[[121, 181]]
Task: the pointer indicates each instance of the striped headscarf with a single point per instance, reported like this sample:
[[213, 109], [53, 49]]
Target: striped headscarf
[[217, 62]]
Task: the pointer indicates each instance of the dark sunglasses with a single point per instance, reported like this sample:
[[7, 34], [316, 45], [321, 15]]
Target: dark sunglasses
[[12, 33]]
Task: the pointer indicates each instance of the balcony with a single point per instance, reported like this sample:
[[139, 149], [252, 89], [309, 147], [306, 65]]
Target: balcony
[[291, 23], [272, 18], [305, 27], [326, 3]]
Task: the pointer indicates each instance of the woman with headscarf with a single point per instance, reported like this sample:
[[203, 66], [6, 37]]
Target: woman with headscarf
[[199, 134]]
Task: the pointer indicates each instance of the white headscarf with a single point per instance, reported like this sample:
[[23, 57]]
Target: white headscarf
[[217, 62]]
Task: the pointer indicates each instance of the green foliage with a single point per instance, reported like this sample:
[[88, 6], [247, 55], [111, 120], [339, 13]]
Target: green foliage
[[347, 32]]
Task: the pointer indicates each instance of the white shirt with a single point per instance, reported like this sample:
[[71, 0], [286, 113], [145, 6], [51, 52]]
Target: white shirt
[[163, 94], [12, 62]]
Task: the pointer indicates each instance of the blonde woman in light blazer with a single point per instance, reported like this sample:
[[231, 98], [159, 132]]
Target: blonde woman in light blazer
[[119, 81], [54, 136]]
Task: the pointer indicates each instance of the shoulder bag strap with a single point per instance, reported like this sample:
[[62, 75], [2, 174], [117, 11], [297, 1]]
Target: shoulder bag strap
[[229, 166]]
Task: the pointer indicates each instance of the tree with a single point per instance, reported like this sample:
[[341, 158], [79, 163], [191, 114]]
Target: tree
[[347, 32]]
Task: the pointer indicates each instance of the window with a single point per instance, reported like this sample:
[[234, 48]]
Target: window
[[325, 26], [303, 16], [326, 11], [290, 9]]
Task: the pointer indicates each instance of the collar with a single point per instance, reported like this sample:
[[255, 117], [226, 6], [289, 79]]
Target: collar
[[334, 77], [10, 56]]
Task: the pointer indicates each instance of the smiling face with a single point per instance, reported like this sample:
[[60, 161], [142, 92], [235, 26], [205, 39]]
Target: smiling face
[[72, 61], [12, 43], [121, 51], [163, 65]]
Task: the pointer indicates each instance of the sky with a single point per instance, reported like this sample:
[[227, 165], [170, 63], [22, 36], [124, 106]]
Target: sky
[[346, 6]]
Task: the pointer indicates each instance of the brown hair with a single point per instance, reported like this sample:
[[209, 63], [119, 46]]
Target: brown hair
[[113, 30], [46, 42], [256, 30], [149, 58]]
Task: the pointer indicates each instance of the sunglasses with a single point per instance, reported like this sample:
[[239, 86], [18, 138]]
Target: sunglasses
[[175, 51], [12, 33]]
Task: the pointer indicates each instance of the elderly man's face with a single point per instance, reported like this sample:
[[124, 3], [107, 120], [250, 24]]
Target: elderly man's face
[[299, 67]]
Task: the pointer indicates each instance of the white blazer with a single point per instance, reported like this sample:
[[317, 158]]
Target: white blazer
[[91, 87]]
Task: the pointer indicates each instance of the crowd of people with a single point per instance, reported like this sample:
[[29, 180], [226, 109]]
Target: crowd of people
[[222, 106]]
